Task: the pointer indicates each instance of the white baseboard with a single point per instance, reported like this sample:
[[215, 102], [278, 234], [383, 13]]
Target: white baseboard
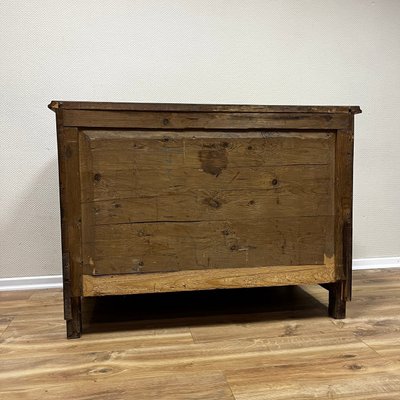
[[55, 281], [376, 263], [31, 282]]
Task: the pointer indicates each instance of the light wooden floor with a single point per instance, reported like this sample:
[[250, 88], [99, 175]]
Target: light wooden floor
[[272, 343]]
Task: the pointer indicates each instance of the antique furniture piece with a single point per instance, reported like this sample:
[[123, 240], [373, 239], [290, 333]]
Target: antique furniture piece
[[174, 197]]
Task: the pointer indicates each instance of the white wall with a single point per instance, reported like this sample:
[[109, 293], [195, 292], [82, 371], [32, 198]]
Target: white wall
[[262, 52]]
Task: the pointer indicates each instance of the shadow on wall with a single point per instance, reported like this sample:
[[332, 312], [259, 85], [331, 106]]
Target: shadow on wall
[[31, 240]]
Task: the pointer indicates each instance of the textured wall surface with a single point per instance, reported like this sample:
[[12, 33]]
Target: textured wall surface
[[258, 52]]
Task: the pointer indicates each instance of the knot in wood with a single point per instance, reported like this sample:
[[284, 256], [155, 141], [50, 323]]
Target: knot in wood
[[213, 203]]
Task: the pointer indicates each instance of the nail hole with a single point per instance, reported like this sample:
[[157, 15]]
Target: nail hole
[[225, 144], [274, 182], [97, 177]]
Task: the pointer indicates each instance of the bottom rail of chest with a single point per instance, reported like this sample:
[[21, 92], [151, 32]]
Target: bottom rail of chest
[[325, 275]]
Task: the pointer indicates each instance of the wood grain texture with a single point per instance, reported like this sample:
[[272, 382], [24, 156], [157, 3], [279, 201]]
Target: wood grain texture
[[196, 120], [276, 346], [192, 200], [211, 386], [197, 245], [70, 207], [4, 323], [124, 164], [206, 279], [87, 105], [344, 198]]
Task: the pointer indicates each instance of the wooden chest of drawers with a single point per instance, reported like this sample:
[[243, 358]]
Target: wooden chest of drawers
[[174, 197]]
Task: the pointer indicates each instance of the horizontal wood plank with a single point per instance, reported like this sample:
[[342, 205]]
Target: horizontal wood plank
[[128, 165], [180, 107], [149, 150], [312, 198], [193, 120], [278, 187], [206, 279], [171, 246]]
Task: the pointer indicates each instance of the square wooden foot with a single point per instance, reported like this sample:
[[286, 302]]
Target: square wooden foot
[[74, 325], [337, 300]]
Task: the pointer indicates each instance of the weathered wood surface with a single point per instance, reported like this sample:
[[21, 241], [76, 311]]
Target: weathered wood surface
[[101, 106], [70, 203], [191, 200], [71, 206], [291, 199], [207, 279], [139, 163], [191, 148], [275, 343], [87, 105], [173, 246], [206, 121], [344, 202]]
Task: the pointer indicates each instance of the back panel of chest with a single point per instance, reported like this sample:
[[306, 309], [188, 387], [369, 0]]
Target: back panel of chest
[[158, 201]]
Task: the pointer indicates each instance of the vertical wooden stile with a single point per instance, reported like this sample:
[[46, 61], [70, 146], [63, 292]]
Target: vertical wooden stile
[[70, 203]]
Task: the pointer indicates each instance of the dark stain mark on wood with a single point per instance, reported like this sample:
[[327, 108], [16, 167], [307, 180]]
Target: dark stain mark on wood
[[283, 246], [214, 203], [68, 152], [355, 367], [137, 266], [274, 182], [290, 330], [213, 161], [210, 145]]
